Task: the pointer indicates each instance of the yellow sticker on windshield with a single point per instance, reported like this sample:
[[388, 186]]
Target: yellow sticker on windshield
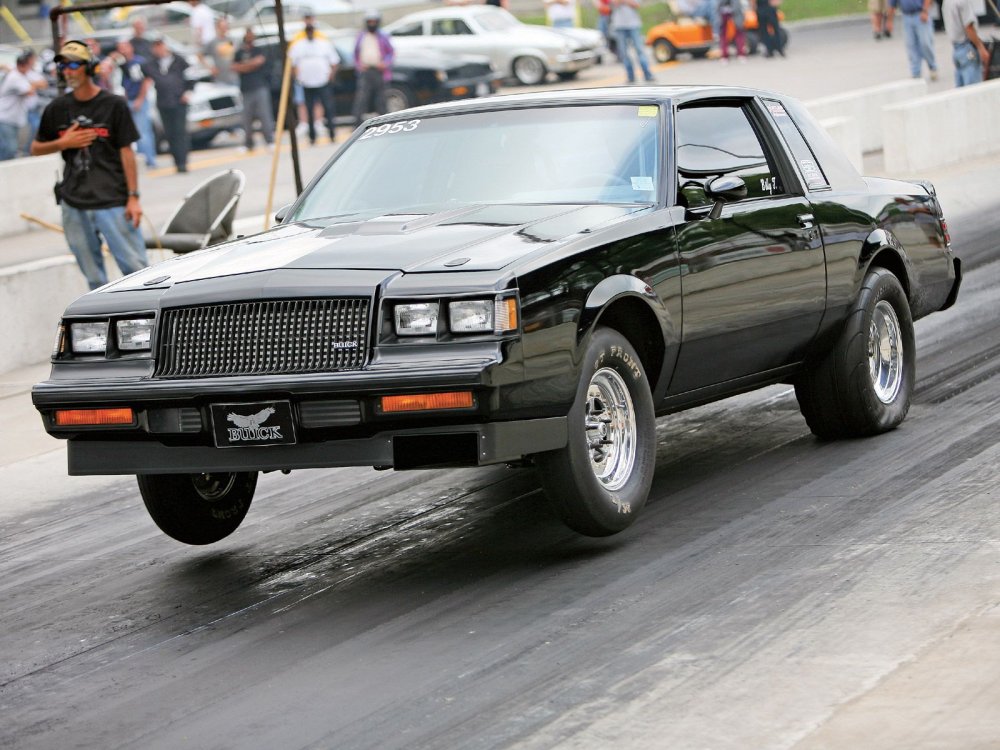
[[647, 110]]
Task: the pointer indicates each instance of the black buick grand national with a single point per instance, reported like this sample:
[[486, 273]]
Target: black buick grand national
[[525, 279]]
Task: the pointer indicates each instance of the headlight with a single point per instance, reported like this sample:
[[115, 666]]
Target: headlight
[[483, 315], [417, 319], [90, 337], [135, 335], [442, 75]]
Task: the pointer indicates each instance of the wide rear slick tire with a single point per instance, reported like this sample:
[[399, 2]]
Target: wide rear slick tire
[[864, 384], [600, 481], [198, 508]]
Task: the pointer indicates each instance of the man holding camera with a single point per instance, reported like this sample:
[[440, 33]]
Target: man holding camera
[[99, 191]]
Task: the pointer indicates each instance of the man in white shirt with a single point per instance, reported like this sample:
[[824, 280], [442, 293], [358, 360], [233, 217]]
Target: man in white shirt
[[561, 13], [314, 64], [202, 25], [968, 51], [16, 91]]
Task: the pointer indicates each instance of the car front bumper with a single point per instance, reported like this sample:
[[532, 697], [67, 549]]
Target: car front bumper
[[572, 63]]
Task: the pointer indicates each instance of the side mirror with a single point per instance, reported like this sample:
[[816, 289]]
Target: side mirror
[[725, 189], [282, 212]]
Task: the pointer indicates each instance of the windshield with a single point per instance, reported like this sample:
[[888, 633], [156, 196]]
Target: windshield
[[580, 154]]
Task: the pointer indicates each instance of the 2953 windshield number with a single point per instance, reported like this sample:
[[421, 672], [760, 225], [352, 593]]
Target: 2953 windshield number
[[389, 128]]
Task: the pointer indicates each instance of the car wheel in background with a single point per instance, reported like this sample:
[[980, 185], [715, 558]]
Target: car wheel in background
[[599, 482], [398, 97], [198, 508], [664, 51], [864, 383], [528, 70]]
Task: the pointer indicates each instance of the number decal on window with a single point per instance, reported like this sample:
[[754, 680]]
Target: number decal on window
[[394, 127], [769, 185]]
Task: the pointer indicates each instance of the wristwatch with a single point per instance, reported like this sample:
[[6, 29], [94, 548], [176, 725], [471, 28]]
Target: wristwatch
[[133, 193]]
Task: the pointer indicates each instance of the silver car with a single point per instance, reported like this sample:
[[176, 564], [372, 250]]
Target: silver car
[[523, 51]]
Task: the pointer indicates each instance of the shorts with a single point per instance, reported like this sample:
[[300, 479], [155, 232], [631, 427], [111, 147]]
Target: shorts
[[878, 6]]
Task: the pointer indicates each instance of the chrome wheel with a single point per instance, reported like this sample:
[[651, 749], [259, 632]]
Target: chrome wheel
[[213, 486], [885, 352], [610, 429], [529, 71]]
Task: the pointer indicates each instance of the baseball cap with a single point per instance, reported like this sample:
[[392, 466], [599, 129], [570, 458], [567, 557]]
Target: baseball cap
[[75, 51]]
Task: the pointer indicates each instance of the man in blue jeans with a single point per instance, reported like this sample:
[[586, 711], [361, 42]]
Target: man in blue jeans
[[918, 31], [968, 51], [626, 26], [99, 192]]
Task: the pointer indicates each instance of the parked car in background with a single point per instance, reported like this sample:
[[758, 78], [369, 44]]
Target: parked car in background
[[695, 36], [525, 280], [518, 50], [263, 12], [156, 16], [419, 76]]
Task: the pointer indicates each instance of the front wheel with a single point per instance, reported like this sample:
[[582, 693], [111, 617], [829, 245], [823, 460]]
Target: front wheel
[[528, 70], [599, 482], [398, 98], [198, 508], [664, 51], [864, 383]]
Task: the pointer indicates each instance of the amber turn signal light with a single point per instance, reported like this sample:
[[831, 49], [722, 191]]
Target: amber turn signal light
[[427, 401], [90, 417]]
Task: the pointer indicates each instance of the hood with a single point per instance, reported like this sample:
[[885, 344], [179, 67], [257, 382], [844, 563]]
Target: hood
[[471, 238]]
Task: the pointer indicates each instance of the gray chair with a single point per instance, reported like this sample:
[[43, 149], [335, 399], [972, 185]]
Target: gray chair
[[205, 215]]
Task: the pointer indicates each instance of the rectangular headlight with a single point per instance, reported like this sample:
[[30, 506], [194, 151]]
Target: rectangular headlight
[[90, 337], [483, 315], [416, 319], [135, 335]]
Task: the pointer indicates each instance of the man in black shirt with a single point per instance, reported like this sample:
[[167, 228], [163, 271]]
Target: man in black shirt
[[99, 192], [173, 90], [251, 63]]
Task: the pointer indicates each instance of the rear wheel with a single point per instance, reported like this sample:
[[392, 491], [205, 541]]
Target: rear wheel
[[198, 508], [398, 98], [528, 70], [864, 383], [599, 482], [664, 51]]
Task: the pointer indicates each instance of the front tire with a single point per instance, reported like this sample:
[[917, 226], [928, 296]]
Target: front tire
[[864, 383], [529, 70], [600, 481], [664, 51], [398, 98], [198, 508]]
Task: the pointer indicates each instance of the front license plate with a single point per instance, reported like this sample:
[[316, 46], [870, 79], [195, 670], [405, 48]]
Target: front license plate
[[243, 425], [482, 89]]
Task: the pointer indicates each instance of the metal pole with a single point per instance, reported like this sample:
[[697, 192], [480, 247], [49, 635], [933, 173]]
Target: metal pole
[[279, 13]]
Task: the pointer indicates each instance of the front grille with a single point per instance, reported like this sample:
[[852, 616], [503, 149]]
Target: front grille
[[263, 338], [222, 102], [469, 70]]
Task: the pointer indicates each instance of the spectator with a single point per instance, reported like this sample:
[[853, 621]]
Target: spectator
[[220, 52], [626, 25], [498, 3], [16, 90], [172, 94], [882, 14], [202, 26], [141, 44], [604, 21], [561, 13], [34, 104], [373, 56], [769, 26], [314, 64], [99, 192], [918, 31], [732, 11], [136, 85], [700, 9], [250, 64], [968, 51]]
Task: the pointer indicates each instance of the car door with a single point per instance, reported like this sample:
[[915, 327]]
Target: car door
[[454, 35], [754, 278]]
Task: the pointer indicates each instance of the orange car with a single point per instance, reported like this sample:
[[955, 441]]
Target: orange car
[[695, 36]]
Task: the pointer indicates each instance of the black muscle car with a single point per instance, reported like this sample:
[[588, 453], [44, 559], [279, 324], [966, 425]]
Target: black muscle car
[[529, 279]]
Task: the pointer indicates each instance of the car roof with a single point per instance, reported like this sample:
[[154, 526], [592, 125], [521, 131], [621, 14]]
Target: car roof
[[449, 11]]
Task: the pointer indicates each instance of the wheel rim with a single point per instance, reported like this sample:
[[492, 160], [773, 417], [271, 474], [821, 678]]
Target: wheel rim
[[663, 51], [529, 70], [213, 486], [396, 101], [610, 429], [885, 352]]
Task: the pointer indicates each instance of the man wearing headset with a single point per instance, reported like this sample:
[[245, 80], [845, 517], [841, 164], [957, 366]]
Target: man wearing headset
[[99, 191]]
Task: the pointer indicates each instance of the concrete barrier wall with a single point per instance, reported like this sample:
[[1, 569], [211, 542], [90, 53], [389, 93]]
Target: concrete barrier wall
[[865, 106], [846, 133], [942, 129], [27, 188]]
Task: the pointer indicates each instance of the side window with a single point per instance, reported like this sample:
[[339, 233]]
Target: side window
[[449, 27], [720, 140], [411, 29], [805, 160]]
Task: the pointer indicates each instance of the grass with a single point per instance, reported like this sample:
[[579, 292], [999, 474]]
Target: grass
[[656, 12]]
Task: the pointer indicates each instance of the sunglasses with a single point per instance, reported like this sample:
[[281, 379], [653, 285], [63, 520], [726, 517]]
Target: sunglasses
[[72, 65]]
